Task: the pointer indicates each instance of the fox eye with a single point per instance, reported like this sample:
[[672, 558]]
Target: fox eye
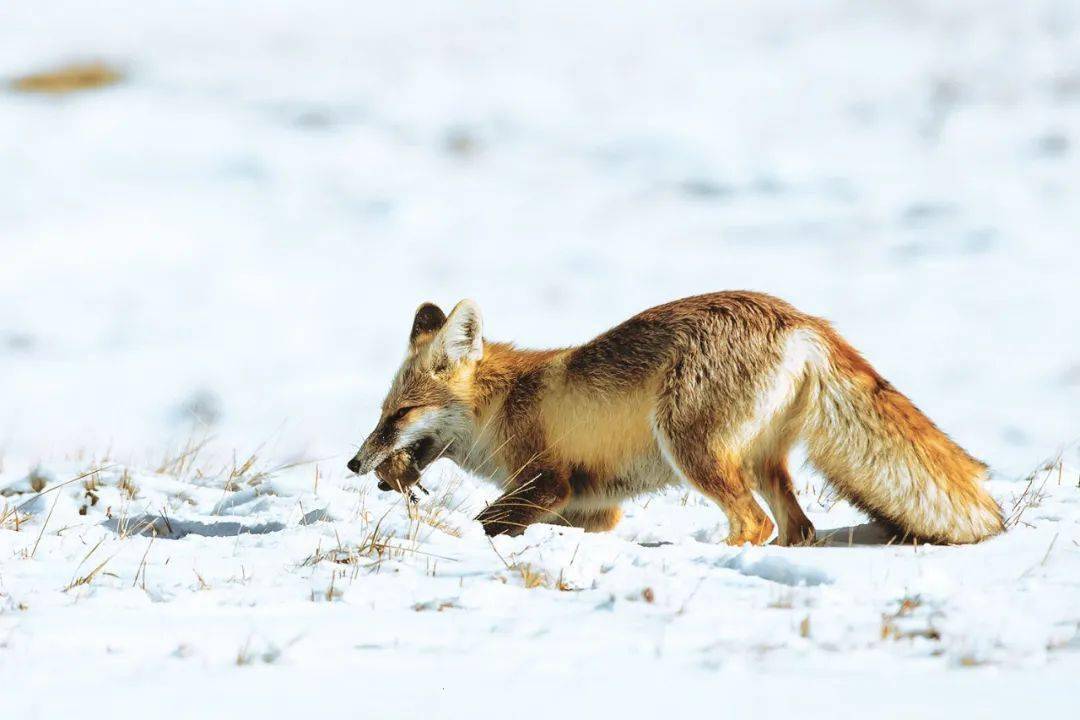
[[402, 412]]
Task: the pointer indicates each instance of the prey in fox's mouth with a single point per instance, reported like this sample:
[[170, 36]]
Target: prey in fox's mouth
[[401, 470]]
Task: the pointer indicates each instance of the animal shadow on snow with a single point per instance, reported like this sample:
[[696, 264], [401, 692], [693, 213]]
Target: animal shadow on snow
[[865, 534]]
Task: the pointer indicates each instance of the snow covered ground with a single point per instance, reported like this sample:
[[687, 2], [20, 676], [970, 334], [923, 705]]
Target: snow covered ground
[[229, 243], [208, 594]]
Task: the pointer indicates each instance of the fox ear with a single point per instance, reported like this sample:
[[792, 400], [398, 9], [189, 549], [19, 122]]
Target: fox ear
[[461, 338], [428, 321]]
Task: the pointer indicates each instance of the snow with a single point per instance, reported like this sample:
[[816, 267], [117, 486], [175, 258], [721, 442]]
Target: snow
[[229, 244], [282, 595]]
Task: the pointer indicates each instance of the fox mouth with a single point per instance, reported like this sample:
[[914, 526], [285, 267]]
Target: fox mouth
[[401, 470]]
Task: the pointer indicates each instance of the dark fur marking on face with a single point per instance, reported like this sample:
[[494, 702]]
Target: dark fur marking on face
[[386, 432]]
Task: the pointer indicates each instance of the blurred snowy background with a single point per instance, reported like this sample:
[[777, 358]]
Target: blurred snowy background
[[233, 236]]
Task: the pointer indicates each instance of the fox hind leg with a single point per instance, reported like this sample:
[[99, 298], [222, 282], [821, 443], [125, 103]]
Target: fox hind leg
[[774, 483], [722, 480]]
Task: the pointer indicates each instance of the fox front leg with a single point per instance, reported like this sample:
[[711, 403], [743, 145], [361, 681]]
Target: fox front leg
[[541, 493]]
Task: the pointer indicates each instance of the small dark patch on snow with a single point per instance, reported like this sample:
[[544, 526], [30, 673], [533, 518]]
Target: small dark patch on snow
[[203, 408], [461, 142], [1071, 376], [1014, 435], [19, 342], [1052, 145], [923, 213], [706, 189]]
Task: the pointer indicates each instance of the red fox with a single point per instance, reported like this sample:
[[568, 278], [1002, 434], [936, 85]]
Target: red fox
[[712, 391]]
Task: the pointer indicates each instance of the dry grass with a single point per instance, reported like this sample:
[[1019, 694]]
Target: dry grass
[[80, 580], [785, 600], [531, 577], [890, 628], [185, 461], [38, 480], [378, 545], [188, 465], [74, 77], [436, 605], [13, 516], [332, 593], [89, 577], [1034, 490], [970, 661], [45, 524], [245, 472], [436, 510], [127, 485]]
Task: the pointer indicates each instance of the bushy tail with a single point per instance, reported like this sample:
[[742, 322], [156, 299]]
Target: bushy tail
[[888, 458]]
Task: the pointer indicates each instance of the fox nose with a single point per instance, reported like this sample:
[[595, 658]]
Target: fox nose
[[354, 465]]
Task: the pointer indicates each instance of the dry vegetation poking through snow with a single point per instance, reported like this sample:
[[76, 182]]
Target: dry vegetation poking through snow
[[70, 78], [186, 570]]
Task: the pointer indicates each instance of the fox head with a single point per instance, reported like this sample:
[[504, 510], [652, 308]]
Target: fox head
[[427, 408]]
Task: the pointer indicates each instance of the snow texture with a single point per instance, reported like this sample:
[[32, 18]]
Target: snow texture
[[216, 593]]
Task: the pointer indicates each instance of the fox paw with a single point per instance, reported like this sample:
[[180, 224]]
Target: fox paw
[[495, 522], [496, 527]]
